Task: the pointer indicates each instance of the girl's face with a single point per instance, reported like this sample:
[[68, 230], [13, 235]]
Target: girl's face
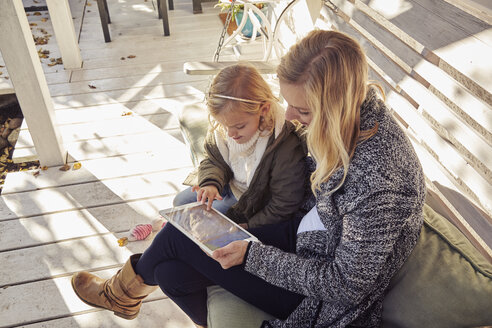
[[296, 98], [240, 126]]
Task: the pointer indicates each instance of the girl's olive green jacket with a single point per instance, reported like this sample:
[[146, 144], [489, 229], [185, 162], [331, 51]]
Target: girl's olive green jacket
[[278, 185]]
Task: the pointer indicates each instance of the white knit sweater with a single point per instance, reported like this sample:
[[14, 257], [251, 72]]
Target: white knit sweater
[[243, 159]]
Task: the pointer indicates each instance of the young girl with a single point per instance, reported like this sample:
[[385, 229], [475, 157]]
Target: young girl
[[254, 166], [254, 172]]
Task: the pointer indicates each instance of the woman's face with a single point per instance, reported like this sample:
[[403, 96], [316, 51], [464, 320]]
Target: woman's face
[[296, 98]]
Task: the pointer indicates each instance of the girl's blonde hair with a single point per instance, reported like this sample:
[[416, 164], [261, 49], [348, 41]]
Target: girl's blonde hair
[[240, 87], [333, 71]]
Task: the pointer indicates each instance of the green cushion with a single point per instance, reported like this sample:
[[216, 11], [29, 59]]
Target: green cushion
[[226, 310], [445, 283], [193, 121]]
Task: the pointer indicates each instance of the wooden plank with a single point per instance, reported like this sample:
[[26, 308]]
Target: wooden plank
[[61, 19], [88, 195], [473, 7], [151, 57], [191, 89], [128, 70], [55, 299], [126, 125], [212, 68], [164, 312], [425, 35], [468, 179], [76, 224], [118, 145], [19, 53], [99, 169], [473, 147], [145, 107], [96, 86]]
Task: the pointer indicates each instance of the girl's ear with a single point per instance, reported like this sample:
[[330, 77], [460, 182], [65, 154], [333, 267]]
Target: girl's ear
[[265, 108]]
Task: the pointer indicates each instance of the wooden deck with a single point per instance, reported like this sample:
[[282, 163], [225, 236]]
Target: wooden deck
[[118, 118]]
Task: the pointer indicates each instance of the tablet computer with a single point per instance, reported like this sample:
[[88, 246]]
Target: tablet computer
[[209, 229]]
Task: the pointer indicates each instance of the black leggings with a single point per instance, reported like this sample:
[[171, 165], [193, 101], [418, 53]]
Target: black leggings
[[183, 272]]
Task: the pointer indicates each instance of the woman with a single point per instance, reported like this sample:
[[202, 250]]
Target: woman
[[332, 268]]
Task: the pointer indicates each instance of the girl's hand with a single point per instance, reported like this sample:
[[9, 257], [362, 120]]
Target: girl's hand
[[231, 254], [207, 193]]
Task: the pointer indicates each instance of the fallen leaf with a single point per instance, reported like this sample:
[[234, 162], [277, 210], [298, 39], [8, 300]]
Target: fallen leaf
[[44, 168], [126, 113], [37, 13], [65, 167], [122, 58], [76, 166], [89, 4], [131, 56], [33, 24], [1, 73], [122, 241], [92, 86], [6, 77], [44, 19], [28, 14], [88, 11], [36, 173]]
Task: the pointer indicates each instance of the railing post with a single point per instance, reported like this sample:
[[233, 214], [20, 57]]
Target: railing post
[[26, 73], [61, 19]]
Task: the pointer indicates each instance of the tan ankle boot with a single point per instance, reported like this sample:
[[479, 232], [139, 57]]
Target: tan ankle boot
[[123, 293]]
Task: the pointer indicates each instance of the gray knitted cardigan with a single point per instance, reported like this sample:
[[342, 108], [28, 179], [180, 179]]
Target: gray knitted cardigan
[[373, 223]]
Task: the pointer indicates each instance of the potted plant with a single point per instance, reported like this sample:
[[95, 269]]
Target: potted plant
[[238, 12]]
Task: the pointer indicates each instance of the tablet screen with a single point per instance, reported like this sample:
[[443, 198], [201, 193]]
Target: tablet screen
[[210, 228]]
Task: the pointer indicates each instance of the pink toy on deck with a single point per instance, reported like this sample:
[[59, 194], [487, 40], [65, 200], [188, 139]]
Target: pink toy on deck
[[142, 231]]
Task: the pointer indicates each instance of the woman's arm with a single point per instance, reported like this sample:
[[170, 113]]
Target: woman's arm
[[371, 234]]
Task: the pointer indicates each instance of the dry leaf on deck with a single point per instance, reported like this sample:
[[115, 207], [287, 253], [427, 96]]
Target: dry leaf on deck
[[92, 86], [76, 166], [33, 24], [131, 56], [122, 241], [35, 173], [126, 113], [37, 13], [89, 4], [65, 167], [44, 168], [122, 58], [44, 19]]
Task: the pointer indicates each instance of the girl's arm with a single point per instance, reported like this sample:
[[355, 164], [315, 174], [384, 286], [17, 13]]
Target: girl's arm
[[287, 184], [213, 170], [372, 233]]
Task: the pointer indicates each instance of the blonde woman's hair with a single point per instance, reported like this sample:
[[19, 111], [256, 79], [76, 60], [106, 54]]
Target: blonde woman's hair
[[240, 87], [333, 71]]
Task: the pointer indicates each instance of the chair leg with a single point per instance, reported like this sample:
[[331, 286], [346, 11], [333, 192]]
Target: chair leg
[[159, 9], [107, 11], [103, 14], [171, 4], [197, 6], [165, 18]]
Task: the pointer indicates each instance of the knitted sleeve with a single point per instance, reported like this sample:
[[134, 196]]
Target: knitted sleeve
[[369, 237]]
